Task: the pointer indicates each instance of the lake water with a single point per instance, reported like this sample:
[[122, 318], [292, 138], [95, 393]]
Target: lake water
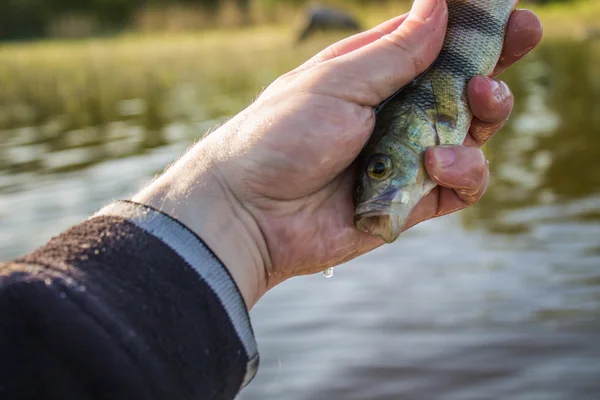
[[499, 301]]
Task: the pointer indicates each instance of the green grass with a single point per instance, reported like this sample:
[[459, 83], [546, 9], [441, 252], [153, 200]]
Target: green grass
[[81, 83], [571, 19], [65, 85]]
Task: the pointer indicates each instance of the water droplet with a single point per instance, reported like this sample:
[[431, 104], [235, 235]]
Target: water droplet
[[96, 252], [48, 281], [328, 273], [63, 295]]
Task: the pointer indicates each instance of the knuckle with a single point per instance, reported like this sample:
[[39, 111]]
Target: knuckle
[[340, 80], [365, 118], [399, 40], [332, 51]]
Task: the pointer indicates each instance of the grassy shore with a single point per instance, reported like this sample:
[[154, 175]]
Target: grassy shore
[[64, 85], [569, 20]]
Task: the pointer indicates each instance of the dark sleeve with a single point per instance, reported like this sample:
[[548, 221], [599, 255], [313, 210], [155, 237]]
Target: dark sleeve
[[128, 305]]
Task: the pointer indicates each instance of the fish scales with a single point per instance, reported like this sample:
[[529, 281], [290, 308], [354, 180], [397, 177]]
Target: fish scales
[[472, 47], [431, 111]]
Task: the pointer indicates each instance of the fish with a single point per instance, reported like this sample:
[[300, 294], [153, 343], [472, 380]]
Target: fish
[[432, 110]]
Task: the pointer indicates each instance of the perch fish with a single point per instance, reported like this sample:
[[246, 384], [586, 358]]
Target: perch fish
[[433, 110]]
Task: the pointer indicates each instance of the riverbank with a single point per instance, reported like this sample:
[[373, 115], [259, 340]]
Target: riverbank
[[64, 85]]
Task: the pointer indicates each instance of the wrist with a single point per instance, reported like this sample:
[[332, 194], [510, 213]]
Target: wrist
[[193, 192]]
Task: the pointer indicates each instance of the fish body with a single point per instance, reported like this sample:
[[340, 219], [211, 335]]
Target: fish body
[[433, 110]]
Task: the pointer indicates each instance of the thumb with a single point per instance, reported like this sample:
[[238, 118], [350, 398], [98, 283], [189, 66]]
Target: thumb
[[374, 72]]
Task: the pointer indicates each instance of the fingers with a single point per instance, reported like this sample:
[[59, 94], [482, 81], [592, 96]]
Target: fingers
[[491, 102], [462, 174], [524, 32], [460, 168], [374, 72], [355, 42]]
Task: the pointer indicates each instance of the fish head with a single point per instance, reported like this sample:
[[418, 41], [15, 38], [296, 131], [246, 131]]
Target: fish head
[[392, 178]]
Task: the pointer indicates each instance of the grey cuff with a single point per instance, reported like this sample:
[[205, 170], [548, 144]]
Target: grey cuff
[[198, 256]]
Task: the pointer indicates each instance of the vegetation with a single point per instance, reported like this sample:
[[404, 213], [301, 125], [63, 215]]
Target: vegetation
[[74, 93], [122, 95], [26, 19]]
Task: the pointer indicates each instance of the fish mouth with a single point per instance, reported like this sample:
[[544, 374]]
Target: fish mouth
[[384, 216], [387, 227]]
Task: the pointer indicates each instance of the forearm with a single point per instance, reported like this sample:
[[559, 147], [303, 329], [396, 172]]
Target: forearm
[[131, 300], [193, 192]]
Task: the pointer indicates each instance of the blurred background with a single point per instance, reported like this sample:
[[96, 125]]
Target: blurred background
[[498, 301]]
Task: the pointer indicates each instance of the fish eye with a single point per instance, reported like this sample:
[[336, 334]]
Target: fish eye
[[380, 167]]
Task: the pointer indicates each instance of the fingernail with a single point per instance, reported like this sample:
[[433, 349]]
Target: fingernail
[[519, 25], [423, 9], [494, 85], [443, 157], [505, 90], [527, 21], [500, 90]]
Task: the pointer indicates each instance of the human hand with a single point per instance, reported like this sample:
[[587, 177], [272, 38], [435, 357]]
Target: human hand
[[270, 191]]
